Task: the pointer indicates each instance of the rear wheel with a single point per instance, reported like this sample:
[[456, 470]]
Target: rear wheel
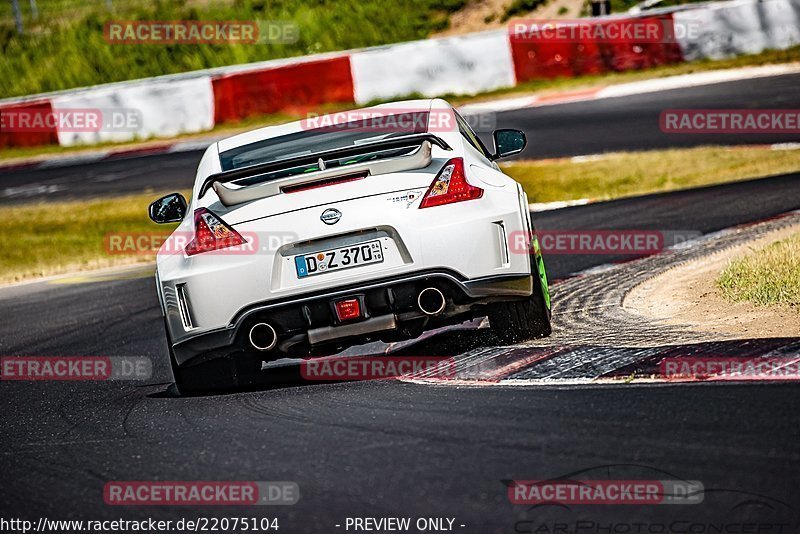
[[214, 374], [202, 378], [518, 320]]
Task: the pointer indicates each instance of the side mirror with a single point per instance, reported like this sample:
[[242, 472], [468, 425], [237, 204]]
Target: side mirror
[[168, 209], [508, 142]]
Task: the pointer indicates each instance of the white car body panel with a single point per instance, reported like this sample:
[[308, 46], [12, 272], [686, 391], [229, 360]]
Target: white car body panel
[[468, 239]]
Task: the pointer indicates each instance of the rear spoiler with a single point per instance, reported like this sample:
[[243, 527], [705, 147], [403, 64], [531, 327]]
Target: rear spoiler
[[418, 158], [310, 159]]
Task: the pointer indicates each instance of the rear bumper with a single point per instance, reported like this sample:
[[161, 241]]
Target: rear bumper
[[386, 298], [206, 292]]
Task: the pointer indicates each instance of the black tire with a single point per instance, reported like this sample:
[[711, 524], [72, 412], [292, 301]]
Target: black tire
[[519, 320], [208, 376]]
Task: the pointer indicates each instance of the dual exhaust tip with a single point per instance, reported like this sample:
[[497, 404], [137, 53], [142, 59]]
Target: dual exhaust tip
[[263, 336], [431, 301]]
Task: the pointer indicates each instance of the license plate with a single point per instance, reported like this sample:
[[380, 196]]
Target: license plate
[[337, 259]]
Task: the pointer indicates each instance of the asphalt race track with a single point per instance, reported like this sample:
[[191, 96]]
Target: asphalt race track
[[411, 449], [632, 122], [385, 448], [629, 123]]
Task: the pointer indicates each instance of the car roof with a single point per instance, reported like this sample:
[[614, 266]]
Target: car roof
[[269, 132]]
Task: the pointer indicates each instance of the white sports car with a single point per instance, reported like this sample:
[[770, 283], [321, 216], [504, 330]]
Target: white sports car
[[309, 237]]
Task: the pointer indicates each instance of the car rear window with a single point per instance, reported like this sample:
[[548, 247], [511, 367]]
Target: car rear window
[[326, 137]]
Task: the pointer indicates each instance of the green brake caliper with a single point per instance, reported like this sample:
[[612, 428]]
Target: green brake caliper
[[541, 270]]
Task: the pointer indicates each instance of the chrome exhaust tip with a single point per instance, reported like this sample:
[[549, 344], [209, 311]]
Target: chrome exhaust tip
[[263, 337], [431, 301]]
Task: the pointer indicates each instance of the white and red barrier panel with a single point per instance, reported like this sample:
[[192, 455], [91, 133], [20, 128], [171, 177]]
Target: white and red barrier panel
[[536, 56], [283, 88], [453, 65], [12, 135], [140, 111], [739, 27], [195, 102]]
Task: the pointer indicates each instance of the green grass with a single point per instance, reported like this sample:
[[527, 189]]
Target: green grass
[[41, 239], [520, 7], [625, 174], [65, 47], [768, 276]]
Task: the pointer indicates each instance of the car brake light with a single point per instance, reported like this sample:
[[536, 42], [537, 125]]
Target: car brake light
[[324, 183], [348, 309], [450, 186], [211, 233]]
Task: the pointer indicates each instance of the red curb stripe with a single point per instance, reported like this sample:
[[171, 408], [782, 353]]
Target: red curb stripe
[[299, 85]]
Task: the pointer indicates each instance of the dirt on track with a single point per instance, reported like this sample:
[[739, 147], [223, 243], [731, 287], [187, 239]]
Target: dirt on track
[[688, 295]]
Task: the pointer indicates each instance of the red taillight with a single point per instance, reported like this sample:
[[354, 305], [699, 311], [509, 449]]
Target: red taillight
[[348, 309], [211, 233], [450, 186]]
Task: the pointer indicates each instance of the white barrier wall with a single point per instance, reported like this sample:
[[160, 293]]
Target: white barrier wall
[[467, 64], [783, 27], [157, 109], [459, 65], [723, 30]]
